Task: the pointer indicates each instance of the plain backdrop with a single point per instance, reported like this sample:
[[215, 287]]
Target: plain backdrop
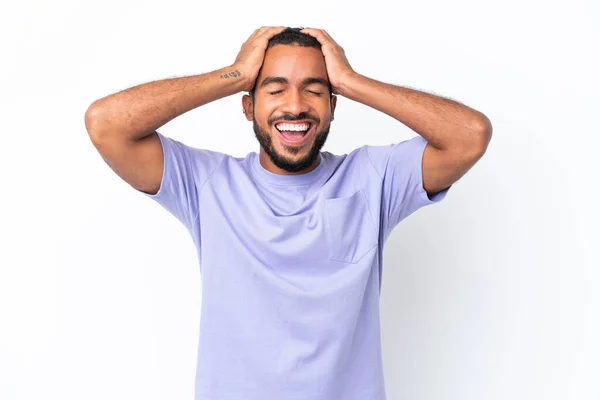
[[491, 294]]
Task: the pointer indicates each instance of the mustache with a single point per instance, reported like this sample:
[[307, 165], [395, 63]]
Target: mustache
[[292, 117]]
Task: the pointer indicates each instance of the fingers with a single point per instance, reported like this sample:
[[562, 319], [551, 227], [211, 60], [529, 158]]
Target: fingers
[[320, 34], [267, 32], [271, 31]]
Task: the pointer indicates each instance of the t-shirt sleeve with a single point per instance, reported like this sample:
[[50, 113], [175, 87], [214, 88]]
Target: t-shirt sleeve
[[185, 170], [400, 166]]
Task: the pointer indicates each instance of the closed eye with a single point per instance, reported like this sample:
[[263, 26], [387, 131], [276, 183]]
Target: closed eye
[[309, 91]]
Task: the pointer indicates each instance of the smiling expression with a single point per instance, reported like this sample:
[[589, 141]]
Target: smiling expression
[[292, 108]]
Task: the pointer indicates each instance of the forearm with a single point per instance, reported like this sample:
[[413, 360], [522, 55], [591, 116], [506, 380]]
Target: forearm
[[138, 111], [442, 122]]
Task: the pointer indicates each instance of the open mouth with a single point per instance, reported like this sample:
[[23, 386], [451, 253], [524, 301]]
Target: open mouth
[[294, 132]]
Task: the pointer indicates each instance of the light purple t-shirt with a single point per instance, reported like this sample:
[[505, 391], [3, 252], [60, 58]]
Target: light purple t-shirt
[[291, 266]]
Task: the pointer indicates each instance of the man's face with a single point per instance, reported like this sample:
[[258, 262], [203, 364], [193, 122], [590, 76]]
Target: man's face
[[292, 88]]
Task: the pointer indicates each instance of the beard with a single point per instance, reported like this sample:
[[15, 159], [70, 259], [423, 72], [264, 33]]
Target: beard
[[266, 142]]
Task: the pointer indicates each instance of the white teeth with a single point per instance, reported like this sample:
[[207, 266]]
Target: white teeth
[[292, 127]]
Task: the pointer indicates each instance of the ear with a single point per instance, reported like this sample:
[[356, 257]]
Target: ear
[[333, 104], [247, 105]]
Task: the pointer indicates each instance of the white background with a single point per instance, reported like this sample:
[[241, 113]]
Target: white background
[[491, 294]]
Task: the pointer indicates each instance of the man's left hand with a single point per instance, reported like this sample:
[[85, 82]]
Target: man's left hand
[[338, 67]]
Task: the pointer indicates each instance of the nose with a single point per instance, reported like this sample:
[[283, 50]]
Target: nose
[[294, 103]]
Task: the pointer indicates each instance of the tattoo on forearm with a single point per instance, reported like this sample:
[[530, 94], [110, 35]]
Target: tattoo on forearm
[[233, 74]]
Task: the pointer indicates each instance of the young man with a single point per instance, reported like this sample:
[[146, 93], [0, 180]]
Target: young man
[[289, 240]]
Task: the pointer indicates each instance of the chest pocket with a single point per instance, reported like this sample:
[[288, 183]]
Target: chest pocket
[[350, 231]]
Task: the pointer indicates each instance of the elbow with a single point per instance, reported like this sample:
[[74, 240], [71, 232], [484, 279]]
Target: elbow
[[482, 134], [92, 118]]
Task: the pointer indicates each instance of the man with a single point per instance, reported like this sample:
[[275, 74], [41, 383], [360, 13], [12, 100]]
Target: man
[[289, 240]]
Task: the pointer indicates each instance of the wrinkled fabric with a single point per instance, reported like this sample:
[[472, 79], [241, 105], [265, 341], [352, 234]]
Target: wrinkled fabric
[[291, 266]]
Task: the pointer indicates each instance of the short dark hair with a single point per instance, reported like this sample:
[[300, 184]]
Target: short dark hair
[[293, 36]]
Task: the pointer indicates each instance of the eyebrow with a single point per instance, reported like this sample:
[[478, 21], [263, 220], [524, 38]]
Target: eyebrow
[[280, 79]]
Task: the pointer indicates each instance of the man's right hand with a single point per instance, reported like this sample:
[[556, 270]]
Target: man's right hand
[[123, 125], [250, 58]]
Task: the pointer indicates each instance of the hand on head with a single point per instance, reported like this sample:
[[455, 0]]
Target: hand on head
[[251, 55]]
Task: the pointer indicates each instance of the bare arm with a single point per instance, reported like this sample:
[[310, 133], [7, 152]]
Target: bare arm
[[123, 126], [445, 123], [457, 135], [137, 112]]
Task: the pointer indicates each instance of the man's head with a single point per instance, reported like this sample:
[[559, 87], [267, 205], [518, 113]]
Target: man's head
[[292, 85]]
